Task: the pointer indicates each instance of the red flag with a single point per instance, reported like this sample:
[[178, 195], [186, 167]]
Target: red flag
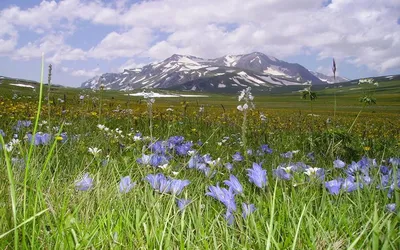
[[334, 69]]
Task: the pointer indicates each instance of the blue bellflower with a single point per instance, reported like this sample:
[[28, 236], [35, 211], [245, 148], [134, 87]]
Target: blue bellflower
[[257, 175], [126, 184], [234, 184], [85, 183], [247, 209]]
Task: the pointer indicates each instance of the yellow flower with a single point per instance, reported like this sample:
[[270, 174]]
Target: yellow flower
[[366, 148], [59, 138]]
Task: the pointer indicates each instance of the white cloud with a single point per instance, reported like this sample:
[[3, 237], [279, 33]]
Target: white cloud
[[125, 44], [362, 32], [86, 73], [130, 64]]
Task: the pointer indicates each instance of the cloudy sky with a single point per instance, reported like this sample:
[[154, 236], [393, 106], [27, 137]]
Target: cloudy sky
[[84, 38]]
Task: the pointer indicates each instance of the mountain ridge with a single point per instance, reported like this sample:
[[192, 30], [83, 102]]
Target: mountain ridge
[[186, 72]]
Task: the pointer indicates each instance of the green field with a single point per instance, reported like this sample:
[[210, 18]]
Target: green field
[[44, 206]]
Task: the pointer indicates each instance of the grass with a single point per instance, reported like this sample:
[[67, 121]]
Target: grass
[[50, 213]]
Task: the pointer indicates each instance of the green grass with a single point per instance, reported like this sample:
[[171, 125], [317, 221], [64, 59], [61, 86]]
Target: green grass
[[298, 214]]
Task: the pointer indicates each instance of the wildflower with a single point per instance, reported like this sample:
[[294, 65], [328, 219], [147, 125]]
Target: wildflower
[[311, 156], [177, 186], [282, 173], [339, 163], [263, 118], [265, 148], [257, 175], [125, 185], [182, 203], [288, 155], [166, 185], [170, 109], [237, 157], [145, 160], [39, 138], [247, 209], [2, 133], [59, 138], [229, 217], [349, 185], [85, 183], [229, 166], [234, 184], [315, 172], [101, 126], [249, 151], [391, 207], [333, 186], [94, 151], [226, 197], [154, 180]]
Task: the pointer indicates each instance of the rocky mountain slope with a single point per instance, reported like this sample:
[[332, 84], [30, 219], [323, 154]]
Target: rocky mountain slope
[[224, 74]]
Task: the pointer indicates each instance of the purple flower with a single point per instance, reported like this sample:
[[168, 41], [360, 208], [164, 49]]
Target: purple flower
[[126, 184], [177, 186], [157, 147], [234, 184], [145, 160], [163, 184], [265, 148], [333, 186], [247, 209], [350, 185], [226, 197], [311, 156], [249, 151], [394, 161], [237, 157], [182, 203], [391, 207], [154, 180], [229, 166], [257, 175], [39, 138], [281, 173], [288, 155], [339, 163], [85, 183], [229, 217], [2, 133]]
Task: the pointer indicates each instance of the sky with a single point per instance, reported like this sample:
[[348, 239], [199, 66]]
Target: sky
[[85, 38]]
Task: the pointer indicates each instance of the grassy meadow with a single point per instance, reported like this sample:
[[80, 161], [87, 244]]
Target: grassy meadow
[[291, 173]]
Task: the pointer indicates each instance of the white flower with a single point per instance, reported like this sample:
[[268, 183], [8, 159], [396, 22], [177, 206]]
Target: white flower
[[219, 143], [170, 109], [9, 147], [175, 173], [311, 171], [106, 129], [240, 108], [101, 126], [137, 138], [191, 152], [201, 109], [163, 166], [15, 141], [295, 151], [94, 151]]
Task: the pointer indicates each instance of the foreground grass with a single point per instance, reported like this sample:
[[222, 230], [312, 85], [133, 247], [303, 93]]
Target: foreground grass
[[295, 214]]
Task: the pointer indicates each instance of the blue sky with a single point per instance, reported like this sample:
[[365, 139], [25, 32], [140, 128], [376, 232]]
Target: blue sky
[[84, 38]]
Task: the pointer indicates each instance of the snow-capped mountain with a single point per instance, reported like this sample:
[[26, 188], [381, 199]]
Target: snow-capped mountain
[[329, 79], [193, 73]]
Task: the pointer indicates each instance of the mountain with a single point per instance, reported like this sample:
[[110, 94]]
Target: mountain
[[329, 79], [223, 74]]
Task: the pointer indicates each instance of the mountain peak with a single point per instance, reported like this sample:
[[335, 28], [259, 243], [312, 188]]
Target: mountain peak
[[230, 72]]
